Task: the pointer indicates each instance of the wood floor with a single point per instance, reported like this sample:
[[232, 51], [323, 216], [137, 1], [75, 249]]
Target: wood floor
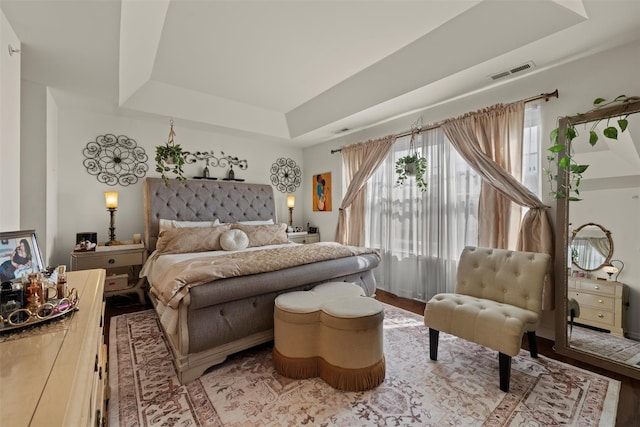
[[628, 404]]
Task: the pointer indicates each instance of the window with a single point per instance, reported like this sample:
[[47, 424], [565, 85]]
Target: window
[[420, 235]]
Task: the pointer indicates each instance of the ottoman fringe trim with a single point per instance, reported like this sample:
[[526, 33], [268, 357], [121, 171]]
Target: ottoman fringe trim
[[360, 379]]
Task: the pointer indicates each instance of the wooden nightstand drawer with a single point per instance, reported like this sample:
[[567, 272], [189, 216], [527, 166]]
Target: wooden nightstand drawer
[[304, 238], [108, 260]]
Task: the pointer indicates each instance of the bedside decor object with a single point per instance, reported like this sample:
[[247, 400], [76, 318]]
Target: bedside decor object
[[115, 160], [285, 175], [616, 271], [170, 158], [291, 201], [19, 255], [111, 200], [86, 241]]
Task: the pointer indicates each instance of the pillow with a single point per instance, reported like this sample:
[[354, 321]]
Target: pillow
[[257, 222], [173, 223], [194, 239], [261, 235], [234, 240]]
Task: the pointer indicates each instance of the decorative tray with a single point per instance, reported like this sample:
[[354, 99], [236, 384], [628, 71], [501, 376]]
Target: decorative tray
[[52, 309]]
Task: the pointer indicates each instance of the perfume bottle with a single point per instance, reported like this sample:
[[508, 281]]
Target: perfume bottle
[[62, 281]]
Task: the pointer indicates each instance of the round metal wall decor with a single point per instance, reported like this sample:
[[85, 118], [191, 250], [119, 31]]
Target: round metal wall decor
[[286, 175], [115, 160]]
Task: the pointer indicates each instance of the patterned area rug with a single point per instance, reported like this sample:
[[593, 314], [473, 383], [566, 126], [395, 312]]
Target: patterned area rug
[[460, 389], [605, 344]]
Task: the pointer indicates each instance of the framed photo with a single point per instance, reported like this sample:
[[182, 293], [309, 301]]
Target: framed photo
[[86, 241], [19, 255], [322, 192]]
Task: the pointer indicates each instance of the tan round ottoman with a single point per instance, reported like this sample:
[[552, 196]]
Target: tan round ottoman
[[333, 332]]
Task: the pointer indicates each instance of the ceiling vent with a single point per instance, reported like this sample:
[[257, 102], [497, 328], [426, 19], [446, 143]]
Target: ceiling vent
[[520, 68]]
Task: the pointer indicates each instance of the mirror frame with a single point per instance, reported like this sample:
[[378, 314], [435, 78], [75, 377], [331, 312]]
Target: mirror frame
[[607, 234], [561, 249]]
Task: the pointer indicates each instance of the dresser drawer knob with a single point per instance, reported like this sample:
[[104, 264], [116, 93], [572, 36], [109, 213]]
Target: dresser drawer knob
[[600, 301], [111, 261], [601, 315], [597, 287]]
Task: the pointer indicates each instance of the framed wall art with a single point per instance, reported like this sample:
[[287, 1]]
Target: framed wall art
[[322, 192], [19, 255]]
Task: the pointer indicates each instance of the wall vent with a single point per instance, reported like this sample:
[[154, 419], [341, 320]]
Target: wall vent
[[526, 66]]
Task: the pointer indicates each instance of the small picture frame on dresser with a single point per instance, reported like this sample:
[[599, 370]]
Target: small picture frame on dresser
[[86, 241], [19, 255]]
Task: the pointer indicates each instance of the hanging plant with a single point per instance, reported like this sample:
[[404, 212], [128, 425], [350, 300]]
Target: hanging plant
[[567, 161], [170, 158], [412, 165]]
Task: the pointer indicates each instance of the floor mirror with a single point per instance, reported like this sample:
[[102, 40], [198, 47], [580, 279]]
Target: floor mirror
[[593, 317]]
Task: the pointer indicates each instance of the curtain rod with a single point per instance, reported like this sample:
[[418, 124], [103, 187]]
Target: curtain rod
[[544, 96]]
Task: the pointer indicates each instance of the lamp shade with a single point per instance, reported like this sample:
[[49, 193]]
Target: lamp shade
[[111, 199], [610, 269], [291, 200]]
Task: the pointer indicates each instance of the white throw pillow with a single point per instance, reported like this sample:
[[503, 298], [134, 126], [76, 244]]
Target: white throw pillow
[[234, 240]]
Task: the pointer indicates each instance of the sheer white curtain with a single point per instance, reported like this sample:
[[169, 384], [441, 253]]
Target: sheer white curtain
[[420, 235]]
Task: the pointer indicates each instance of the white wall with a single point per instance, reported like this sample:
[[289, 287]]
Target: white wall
[[10, 190], [81, 205], [33, 154], [606, 75], [51, 180]]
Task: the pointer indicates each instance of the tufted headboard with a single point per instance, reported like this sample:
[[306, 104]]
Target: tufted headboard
[[203, 200]]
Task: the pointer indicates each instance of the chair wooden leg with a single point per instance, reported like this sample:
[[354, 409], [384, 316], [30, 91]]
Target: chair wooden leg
[[433, 343], [533, 345], [504, 363]]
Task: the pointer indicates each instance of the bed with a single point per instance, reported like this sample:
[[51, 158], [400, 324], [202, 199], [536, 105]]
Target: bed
[[207, 315]]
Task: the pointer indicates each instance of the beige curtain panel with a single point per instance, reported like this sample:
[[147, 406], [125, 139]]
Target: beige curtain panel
[[359, 162], [490, 140]]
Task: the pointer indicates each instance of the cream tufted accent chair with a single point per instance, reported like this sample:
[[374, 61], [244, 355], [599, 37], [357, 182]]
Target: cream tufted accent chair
[[498, 297]]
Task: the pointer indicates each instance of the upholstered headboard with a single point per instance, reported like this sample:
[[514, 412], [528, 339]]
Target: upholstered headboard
[[203, 200]]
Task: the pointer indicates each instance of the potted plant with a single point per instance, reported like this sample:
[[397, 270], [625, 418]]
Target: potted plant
[[170, 159], [412, 165]]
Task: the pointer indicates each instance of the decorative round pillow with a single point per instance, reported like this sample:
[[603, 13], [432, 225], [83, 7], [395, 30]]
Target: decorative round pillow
[[233, 240]]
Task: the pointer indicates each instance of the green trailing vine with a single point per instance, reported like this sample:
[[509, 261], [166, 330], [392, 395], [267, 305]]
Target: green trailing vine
[[170, 159], [566, 159], [412, 164]]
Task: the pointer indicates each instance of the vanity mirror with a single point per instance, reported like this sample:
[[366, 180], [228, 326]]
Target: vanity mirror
[[612, 179], [591, 247]]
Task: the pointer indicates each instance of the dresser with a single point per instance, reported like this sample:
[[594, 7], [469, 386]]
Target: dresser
[[122, 263], [603, 304], [55, 374]]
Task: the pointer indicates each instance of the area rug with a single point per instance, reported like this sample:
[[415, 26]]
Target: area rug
[[460, 389], [607, 345]]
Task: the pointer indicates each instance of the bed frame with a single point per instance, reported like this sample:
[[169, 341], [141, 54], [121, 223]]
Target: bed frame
[[230, 315]]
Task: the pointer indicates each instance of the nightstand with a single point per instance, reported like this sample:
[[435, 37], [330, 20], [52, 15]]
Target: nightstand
[[304, 237], [123, 264]]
